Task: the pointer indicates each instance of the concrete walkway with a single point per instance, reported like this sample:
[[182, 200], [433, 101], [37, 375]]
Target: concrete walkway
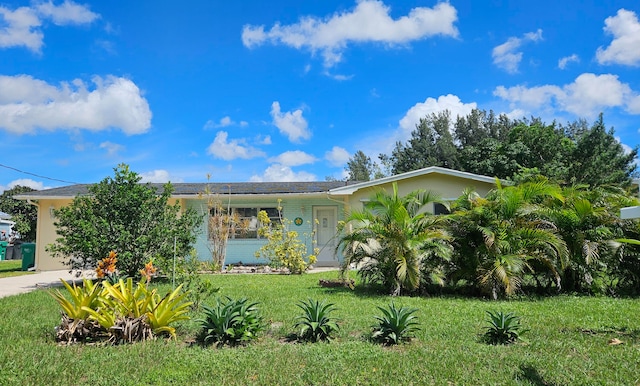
[[26, 283]]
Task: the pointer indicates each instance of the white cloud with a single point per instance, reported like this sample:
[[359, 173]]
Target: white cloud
[[66, 13], [586, 97], [429, 106], [37, 185], [27, 104], [291, 124], [626, 148], [563, 62], [230, 150], [293, 158], [20, 29], [633, 105], [369, 21], [338, 77], [266, 140], [21, 26], [625, 46], [282, 173], [157, 176], [337, 156], [224, 122], [506, 55], [111, 148]]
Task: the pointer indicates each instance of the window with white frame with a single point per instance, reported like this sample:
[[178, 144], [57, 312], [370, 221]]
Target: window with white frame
[[244, 223]]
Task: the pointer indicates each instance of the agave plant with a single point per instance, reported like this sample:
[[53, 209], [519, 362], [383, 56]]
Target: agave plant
[[396, 325], [231, 322], [315, 323], [504, 328]]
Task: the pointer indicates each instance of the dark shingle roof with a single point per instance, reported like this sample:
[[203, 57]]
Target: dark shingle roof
[[194, 189]]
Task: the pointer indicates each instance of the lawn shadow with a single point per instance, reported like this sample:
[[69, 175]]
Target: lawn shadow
[[532, 375], [360, 290]]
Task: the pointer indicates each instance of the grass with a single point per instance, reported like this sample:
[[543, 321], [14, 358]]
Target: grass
[[567, 343], [10, 268]]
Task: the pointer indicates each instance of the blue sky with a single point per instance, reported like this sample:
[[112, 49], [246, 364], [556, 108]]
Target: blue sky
[[289, 90]]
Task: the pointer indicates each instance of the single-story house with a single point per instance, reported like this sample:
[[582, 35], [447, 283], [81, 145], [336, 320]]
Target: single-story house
[[307, 204], [632, 211]]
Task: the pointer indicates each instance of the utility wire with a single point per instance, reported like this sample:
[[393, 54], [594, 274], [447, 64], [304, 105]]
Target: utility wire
[[37, 175]]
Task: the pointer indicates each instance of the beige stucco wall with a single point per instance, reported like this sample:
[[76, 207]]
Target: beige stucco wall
[[448, 187], [46, 234]]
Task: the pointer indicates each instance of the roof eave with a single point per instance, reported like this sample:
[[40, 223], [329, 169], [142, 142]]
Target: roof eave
[[349, 190]]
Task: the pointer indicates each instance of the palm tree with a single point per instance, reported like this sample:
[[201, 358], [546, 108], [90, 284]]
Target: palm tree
[[500, 237], [394, 241], [588, 222]]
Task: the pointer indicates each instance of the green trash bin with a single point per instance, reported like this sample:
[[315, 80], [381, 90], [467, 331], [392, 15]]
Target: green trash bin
[[3, 250], [28, 255]]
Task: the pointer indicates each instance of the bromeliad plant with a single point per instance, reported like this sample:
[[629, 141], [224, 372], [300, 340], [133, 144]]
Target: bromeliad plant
[[231, 322], [396, 325], [504, 328], [315, 323], [106, 269], [75, 324], [119, 312]]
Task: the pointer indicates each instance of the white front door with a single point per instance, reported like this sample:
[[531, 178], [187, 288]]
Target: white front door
[[325, 223]]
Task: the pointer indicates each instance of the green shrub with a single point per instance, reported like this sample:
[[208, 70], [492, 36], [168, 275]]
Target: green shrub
[[231, 322], [504, 328], [284, 248], [396, 325], [315, 323]]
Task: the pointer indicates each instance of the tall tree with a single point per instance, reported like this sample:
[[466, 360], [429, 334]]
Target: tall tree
[[599, 159], [360, 167], [501, 147], [120, 214], [431, 144], [22, 213]]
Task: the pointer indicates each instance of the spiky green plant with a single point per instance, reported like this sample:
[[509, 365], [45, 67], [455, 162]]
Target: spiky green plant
[[396, 325], [504, 328], [315, 323], [231, 322], [75, 324]]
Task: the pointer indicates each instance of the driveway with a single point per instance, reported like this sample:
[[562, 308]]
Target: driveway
[[26, 283], [22, 284]]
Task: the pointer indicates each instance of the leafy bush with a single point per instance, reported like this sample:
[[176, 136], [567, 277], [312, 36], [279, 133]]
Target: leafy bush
[[396, 325], [504, 328], [119, 213], [187, 272], [231, 322], [284, 248], [315, 323]]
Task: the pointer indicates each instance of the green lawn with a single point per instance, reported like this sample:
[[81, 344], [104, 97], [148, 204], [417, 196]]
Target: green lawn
[[567, 343], [12, 268]]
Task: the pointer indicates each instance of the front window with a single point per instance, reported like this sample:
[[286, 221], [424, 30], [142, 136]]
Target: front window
[[244, 221]]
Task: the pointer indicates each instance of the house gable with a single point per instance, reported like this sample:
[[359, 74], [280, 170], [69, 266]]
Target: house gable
[[447, 183]]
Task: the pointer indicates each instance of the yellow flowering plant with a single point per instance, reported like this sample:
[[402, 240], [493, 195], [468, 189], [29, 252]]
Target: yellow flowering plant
[[284, 248]]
